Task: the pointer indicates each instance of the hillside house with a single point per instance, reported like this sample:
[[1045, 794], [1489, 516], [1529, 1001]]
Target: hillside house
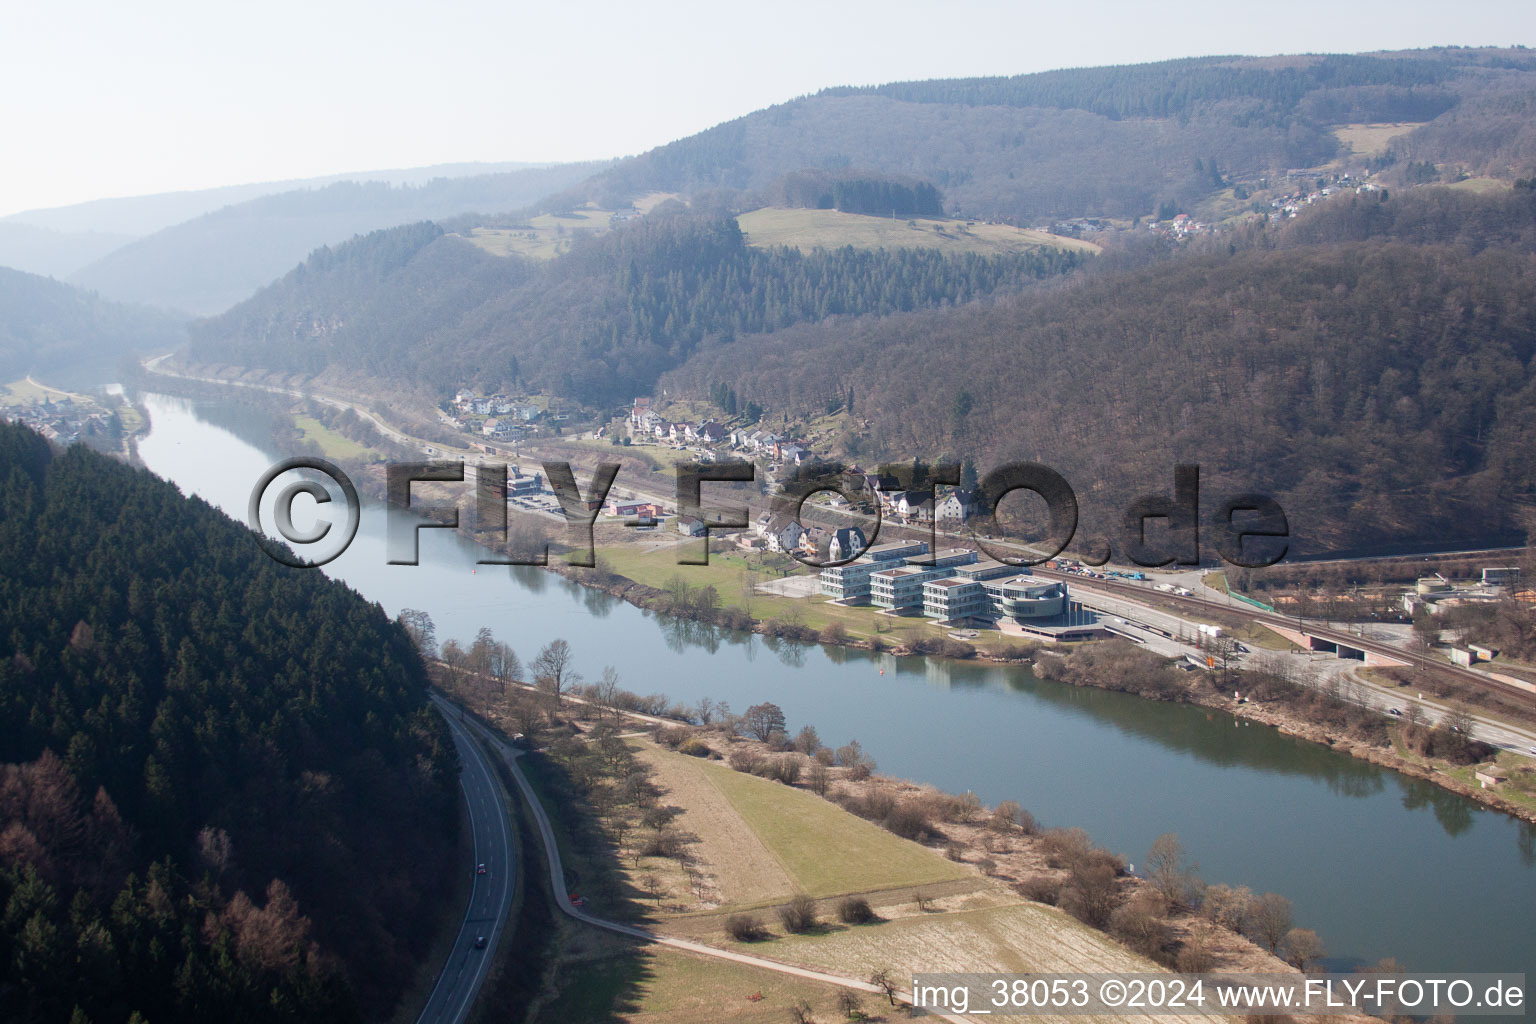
[[956, 508], [780, 533], [845, 543]]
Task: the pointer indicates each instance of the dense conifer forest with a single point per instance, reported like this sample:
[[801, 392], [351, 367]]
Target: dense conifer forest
[[224, 795], [595, 325]]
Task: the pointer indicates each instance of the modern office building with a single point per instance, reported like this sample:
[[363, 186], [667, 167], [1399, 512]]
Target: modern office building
[[901, 587], [1027, 598], [850, 583]]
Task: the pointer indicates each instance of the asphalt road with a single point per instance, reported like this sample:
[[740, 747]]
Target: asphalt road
[[557, 881], [490, 898]]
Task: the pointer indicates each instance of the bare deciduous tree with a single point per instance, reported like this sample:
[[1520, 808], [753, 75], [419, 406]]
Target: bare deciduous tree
[[552, 669], [1006, 817], [1170, 872], [883, 980], [1303, 948], [763, 720], [1269, 919], [418, 624]]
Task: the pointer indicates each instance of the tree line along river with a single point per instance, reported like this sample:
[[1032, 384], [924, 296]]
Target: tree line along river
[[1379, 864]]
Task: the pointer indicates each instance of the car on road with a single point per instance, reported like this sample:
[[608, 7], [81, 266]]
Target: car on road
[[1395, 711], [479, 869], [1533, 750], [479, 941]]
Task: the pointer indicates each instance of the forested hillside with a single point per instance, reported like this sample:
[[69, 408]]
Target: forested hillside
[[207, 264], [598, 324], [1114, 141], [222, 793], [1373, 369], [49, 327]]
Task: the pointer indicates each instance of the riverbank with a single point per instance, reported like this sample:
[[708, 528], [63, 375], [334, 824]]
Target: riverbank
[[1209, 690], [1293, 817], [897, 876], [1211, 696]]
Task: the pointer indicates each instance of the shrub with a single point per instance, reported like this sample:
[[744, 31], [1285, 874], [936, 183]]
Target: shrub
[[1006, 816], [835, 633], [820, 778], [1040, 889], [1142, 925], [855, 910], [875, 804], [1092, 893], [988, 866], [745, 761], [1064, 847], [907, 820], [784, 769], [744, 928], [955, 852], [949, 807], [665, 843], [799, 914], [671, 736], [694, 747], [1195, 956]]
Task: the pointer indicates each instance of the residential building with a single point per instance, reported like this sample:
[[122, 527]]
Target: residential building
[[956, 508], [780, 533], [845, 543]]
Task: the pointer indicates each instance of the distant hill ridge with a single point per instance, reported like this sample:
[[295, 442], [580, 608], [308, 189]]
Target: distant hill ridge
[[1108, 141], [207, 264]]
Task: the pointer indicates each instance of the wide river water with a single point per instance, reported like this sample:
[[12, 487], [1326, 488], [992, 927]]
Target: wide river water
[[1380, 865]]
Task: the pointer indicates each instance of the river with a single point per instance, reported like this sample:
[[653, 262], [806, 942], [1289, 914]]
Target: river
[[1380, 865]]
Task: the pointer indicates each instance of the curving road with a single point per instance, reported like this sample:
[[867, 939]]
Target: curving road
[[490, 899], [557, 880]]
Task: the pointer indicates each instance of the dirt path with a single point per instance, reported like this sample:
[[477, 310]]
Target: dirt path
[[557, 876]]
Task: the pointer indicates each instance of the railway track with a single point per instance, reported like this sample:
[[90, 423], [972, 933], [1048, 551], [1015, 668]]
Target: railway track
[[1322, 633]]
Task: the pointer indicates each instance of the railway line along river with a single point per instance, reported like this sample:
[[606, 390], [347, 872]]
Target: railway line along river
[[1380, 865]]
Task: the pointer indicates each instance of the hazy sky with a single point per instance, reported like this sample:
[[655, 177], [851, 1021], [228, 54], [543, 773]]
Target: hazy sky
[[102, 97]]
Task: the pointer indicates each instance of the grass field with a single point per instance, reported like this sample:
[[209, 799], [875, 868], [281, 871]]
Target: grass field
[[133, 421], [809, 229], [333, 444], [24, 391], [668, 986], [740, 868], [1370, 139], [1017, 938], [823, 848], [1481, 186], [548, 235], [729, 574]]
